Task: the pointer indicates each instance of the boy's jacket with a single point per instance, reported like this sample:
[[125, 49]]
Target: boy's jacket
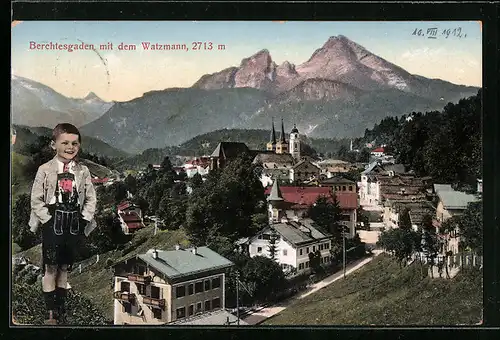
[[44, 188]]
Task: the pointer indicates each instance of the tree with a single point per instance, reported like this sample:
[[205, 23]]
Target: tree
[[266, 275], [401, 242], [404, 219], [21, 233], [226, 203], [363, 218], [273, 248], [196, 181], [131, 184], [326, 215], [315, 261], [470, 227], [342, 153]]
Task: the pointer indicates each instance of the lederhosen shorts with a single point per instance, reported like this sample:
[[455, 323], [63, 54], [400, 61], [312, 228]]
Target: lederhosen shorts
[[60, 236]]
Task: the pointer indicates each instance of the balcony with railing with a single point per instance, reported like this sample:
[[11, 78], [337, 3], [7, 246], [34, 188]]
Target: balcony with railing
[[124, 296], [155, 302], [139, 278]]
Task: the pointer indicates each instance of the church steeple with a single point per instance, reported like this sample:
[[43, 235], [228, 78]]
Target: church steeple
[[271, 146], [282, 139], [275, 194]]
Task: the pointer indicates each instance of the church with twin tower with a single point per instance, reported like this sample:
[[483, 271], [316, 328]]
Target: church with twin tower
[[281, 146]]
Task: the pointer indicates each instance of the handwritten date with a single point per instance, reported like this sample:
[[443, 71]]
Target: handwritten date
[[434, 33]]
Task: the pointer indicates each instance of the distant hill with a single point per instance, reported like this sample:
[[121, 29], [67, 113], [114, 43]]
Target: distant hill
[[36, 104], [341, 90], [27, 135], [205, 144], [381, 293]]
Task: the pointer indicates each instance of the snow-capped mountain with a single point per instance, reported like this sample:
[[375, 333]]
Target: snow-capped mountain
[[35, 104]]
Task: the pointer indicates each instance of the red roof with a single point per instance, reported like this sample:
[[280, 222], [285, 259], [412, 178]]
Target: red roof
[[130, 217], [123, 205], [378, 150], [303, 197], [347, 200], [202, 161], [135, 225]]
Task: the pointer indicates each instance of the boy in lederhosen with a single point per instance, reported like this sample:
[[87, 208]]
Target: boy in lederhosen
[[63, 201]]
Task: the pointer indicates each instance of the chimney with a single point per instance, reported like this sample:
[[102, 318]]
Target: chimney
[[194, 251], [155, 253], [177, 247]]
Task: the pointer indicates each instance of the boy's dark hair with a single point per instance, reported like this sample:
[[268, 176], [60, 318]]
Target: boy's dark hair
[[65, 128]]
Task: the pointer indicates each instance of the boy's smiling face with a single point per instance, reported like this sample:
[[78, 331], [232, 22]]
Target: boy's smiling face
[[67, 146]]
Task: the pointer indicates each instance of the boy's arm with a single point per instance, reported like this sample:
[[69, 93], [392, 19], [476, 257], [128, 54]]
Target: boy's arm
[[37, 198], [90, 200]]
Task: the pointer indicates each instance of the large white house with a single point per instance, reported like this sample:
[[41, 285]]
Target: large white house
[[294, 241]]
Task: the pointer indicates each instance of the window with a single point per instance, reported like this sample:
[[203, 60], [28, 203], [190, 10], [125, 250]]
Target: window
[[259, 249], [198, 287], [314, 249], [207, 306], [127, 307], [327, 245], [181, 312], [198, 307], [139, 269], [259, 237], [320, 247], [266, 237], [157, 313], [343, 188], [350, 187], [155, 292], [285, 252], [216, 303], [216, 282], [300, 251], [207, 285], [307, 264], [191, 310], [180, 291], [125, 287], [141, 288], [301, 266], [307, 250], [191, 289]]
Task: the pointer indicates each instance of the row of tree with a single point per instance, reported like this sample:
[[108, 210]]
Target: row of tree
[[446, 145]]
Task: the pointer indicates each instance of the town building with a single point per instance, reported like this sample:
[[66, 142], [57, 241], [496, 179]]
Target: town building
[[225, 152], [293, 203], [198, 165], [294, 241], [339, 184], [161, 287], [378, 152], [130, 217], [304, 171], [393, 210], [451, 203]]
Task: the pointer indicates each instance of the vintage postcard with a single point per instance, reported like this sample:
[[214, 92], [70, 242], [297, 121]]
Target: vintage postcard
[[246, 173]]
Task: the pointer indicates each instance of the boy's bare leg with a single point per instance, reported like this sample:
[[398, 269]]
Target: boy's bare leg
[[49, 292], [61, 292]]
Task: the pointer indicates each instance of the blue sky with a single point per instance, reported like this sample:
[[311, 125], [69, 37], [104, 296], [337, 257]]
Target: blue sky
[[458, 60]]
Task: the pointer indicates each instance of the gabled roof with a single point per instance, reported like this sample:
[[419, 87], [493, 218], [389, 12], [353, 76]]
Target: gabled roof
[[275, 194], [442, 187], [378, 150], [305, 161], [284, 159], [456, 200], [302, 195], [337, 180], [177, 263], [229, 150], [296, 233]]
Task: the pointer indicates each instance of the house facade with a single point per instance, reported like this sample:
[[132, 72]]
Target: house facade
[[161, 287], [294, 202], [304, 171], [130, 217], [452, 203], [294, 241]]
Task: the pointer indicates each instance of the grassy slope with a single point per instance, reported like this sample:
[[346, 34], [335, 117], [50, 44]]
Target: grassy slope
[[383, 294], [96, 281]]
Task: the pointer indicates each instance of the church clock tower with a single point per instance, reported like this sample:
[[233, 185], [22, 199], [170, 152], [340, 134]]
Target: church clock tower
[[295, 143]]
